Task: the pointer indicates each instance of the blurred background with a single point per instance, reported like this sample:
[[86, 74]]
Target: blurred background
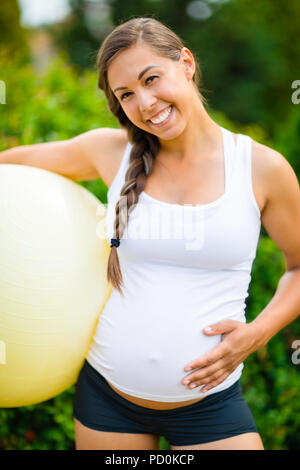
[[249, 55]]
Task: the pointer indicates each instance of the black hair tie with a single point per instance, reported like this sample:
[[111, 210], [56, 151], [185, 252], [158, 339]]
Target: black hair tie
[[115, 242]]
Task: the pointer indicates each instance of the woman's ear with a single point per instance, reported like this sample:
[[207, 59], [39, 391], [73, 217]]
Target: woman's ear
[[188, 62]]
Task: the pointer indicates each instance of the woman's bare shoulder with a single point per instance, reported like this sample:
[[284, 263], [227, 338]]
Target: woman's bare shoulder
[[267, 162], [104, 148], [281, 216], [265, 158], [270, 168]]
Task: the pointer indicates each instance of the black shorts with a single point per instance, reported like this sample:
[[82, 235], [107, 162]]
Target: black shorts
[[218, 416]]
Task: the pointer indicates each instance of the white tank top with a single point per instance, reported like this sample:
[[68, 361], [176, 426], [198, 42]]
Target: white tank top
[[184, 267]]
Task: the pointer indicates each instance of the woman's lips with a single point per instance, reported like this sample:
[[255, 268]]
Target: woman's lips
[[160, 124]]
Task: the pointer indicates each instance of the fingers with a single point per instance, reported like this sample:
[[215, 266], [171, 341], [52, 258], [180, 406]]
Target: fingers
[[211, 381], [215, 382], [210, 358], [204, 375]]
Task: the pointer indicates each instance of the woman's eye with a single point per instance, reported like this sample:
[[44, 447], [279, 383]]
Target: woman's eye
[[124, 95], [151, 78]]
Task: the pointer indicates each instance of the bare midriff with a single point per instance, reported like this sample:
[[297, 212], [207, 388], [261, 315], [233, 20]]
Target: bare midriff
[[154, 405]]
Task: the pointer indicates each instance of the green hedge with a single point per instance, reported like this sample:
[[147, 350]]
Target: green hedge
[[59, 104]]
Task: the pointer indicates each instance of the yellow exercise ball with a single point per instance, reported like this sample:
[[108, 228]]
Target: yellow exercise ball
[[53, 286]]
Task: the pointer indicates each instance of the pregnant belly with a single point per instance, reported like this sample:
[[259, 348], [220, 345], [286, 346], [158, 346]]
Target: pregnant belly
[[145, 363], [154, 405]]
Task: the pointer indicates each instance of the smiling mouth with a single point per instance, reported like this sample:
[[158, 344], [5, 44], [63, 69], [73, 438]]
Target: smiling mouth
[[162, 117]]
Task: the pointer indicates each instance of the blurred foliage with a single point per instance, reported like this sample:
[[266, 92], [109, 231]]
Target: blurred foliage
[[46, 426], [13, 37], [81, 33], [60, 103], [287, 138]]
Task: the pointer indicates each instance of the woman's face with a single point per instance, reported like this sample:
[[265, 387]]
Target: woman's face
[[156, 93]]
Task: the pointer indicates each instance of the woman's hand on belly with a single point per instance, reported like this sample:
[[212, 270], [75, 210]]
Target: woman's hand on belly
[[238, 341]]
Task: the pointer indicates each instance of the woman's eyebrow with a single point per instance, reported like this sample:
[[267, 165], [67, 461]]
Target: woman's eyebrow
[[139, 77]]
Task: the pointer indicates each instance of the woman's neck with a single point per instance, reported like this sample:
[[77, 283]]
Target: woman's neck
[[201, 137]]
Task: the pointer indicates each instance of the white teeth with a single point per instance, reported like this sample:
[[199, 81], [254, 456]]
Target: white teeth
[[162, 116]]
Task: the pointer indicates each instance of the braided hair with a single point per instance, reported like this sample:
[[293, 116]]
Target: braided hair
[[145, 146]]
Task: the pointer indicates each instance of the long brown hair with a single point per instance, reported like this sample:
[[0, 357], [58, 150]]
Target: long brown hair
[[145, 145]]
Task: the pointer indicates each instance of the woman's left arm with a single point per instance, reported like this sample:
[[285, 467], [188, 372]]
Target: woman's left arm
[[281, 219]]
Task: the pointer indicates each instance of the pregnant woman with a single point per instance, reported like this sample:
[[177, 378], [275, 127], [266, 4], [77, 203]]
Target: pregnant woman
[[186, 201]]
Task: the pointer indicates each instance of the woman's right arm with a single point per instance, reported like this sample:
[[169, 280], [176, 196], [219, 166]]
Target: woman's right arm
[[91, 155]]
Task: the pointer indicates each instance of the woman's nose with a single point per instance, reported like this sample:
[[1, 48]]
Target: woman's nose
[[146, 102]]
